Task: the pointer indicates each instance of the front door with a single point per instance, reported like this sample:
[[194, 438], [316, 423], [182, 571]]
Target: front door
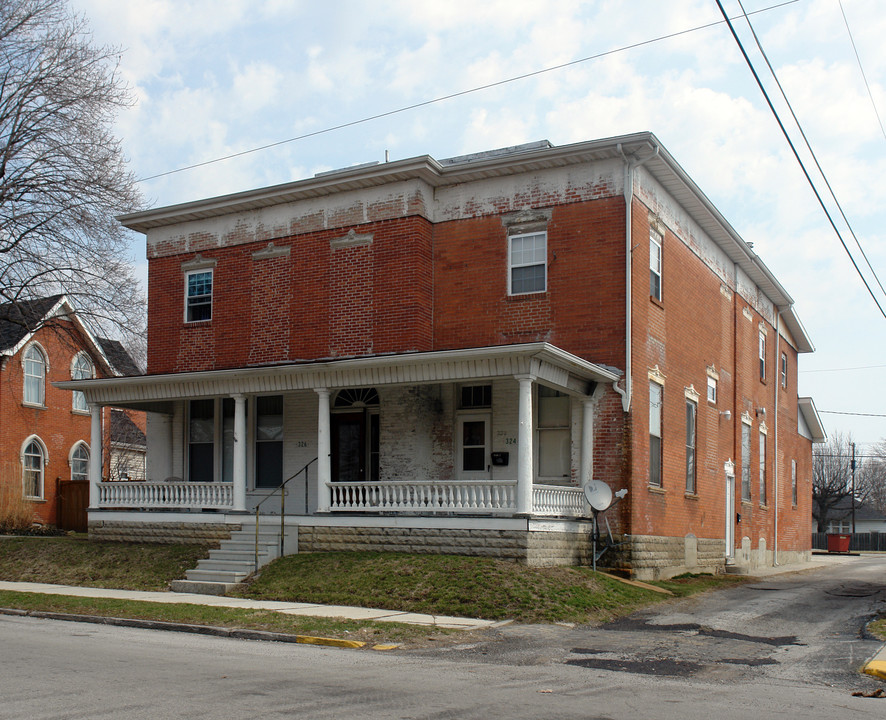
[[354, 446], [730, 515], [473, 446]]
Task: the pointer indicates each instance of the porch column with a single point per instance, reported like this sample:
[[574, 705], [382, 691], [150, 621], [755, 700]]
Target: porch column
[[587, 441], [95, 454], [239, 469], [524, 445], [324, 450]]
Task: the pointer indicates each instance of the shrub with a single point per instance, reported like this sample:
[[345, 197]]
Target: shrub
[[16, 513]]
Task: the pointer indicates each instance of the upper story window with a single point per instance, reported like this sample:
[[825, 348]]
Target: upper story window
[[762, 354], [712, 390], [198, 292], [784, 370], [33, 467], [35, 376], [794, 483], [81, 369], [655, 240], [527, 263]]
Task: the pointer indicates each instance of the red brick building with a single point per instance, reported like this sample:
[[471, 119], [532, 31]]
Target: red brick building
[[45, 432], [462, 345]]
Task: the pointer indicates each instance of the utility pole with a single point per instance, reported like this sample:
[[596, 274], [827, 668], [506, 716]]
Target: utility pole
[[852, 466]]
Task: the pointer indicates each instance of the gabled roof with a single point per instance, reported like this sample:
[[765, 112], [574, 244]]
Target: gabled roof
[[126, 432], [21, 319], [810, 421]]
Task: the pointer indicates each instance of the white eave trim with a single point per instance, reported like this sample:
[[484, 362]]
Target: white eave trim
[[549, 364], [812, 419]]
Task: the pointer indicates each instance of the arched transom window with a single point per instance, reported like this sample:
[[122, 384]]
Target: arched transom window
[[80, 463], [33, 465]]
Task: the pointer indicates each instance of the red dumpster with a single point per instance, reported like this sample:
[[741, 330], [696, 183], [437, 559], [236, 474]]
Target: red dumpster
[[838, 543]]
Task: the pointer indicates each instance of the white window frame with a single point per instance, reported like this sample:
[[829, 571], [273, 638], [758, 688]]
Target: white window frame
[[533, 263], [81, 371], [43, 454], [762, 355], [784, 371], [655, 264], [27, 372], [543, 428], [188, 306], [656, 416], [461, 419], [691, 446], [745, 461], [794, 483], [712, 390], [84, 476], [762, 459]]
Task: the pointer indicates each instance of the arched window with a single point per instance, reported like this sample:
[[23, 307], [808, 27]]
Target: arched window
[[33, 465], [80, 463], [81, 369], [35, 376]]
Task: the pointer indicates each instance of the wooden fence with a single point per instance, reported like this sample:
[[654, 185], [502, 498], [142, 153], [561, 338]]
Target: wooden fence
[[872, 541]]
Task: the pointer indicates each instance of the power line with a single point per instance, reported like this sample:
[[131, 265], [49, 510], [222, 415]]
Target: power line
[[809, 147], [862, 367], [797, 155], [858, 59], [460, 93], [857, 414]]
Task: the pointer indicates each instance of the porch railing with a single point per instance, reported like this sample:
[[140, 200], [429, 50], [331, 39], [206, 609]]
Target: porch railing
[[218, 496], [458, 496]]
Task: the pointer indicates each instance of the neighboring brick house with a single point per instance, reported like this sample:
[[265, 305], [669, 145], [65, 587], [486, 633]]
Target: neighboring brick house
[[463, 344], [45, 432]]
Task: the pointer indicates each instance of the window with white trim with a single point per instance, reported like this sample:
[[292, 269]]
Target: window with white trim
[[712, 390], [80, 463], [762, 468], [33, 467], [211, 440], [269, 441], [794, 483], [656, 394], [527, 263], [691, 423], [745, 462], [784, 370], [198, 295], [34, 362], [762, 354], [655, 241], [554, 437], [81, 369]]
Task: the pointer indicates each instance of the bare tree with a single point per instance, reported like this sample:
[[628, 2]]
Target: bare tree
[[875, 478], [63, 176], [832, 477]]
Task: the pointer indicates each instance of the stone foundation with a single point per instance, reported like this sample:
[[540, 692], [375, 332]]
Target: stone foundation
[[650, 557], [531, 548], [166, 533]]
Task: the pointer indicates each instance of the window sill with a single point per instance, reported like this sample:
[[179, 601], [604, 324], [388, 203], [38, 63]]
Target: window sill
[[655, 301], [690, 496], [656, 490], [35, 406], [540, 295], [80, 412], [764, 507], [197, 323], [34, 499], [747, 503]]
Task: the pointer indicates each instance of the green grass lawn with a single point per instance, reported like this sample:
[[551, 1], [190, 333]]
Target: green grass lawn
[[432, 584]]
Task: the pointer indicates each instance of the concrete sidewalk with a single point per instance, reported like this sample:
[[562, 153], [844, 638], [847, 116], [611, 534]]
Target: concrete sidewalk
[[287, 608]]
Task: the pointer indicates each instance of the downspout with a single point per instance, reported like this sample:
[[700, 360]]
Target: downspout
[[777, 383], [627, 392]]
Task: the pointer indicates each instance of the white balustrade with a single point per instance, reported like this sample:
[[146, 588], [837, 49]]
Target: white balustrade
[[454, 496], [558, 500], [166, 495]]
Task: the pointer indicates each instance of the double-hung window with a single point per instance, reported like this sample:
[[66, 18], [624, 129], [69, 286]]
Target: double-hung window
[[762, 354], [527, 263], [762, 468], [33, 465], [656, 393], [81, 369], [794, 483], [655, 240], [269, 441], [35, 376], [745, 461], [784, 370], [554, 437], [80, 463], [198, 292], [691, 418]]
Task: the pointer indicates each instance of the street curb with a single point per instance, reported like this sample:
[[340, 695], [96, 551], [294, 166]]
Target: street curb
[[877, 668], [236, 633]]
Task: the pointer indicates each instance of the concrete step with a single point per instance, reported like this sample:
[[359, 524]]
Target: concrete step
[[201, 587], [218, 576], [736, 570], [243, 565], [243, 555]]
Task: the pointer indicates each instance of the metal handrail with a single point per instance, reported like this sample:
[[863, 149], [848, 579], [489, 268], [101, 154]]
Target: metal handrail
[[280, 489]]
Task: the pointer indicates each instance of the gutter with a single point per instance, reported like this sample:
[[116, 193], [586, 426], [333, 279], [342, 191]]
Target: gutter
[[630, 165], [777, 383]]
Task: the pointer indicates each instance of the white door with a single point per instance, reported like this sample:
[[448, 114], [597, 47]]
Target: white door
[[730, 515], [473, 459]]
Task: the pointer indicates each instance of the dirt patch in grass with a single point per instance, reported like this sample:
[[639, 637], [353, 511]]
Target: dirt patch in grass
[[79, 561], [877, 628]]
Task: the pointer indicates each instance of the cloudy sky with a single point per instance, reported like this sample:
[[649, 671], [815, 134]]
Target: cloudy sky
[[213, 79]]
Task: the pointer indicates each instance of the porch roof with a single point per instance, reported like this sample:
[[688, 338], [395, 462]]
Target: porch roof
[[549, 364]]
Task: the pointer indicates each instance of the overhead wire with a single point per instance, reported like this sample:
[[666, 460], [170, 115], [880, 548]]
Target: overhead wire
[[809, 147], [450, 96], [797, 157], [863, 75]]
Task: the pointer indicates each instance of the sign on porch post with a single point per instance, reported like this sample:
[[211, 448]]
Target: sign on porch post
[[324, 450], [524, 445]]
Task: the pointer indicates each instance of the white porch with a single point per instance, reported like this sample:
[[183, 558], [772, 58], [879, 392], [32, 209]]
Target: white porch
[[434, 455]]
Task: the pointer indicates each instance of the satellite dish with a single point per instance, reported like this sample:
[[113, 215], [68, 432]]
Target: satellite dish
[[598, 495]]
